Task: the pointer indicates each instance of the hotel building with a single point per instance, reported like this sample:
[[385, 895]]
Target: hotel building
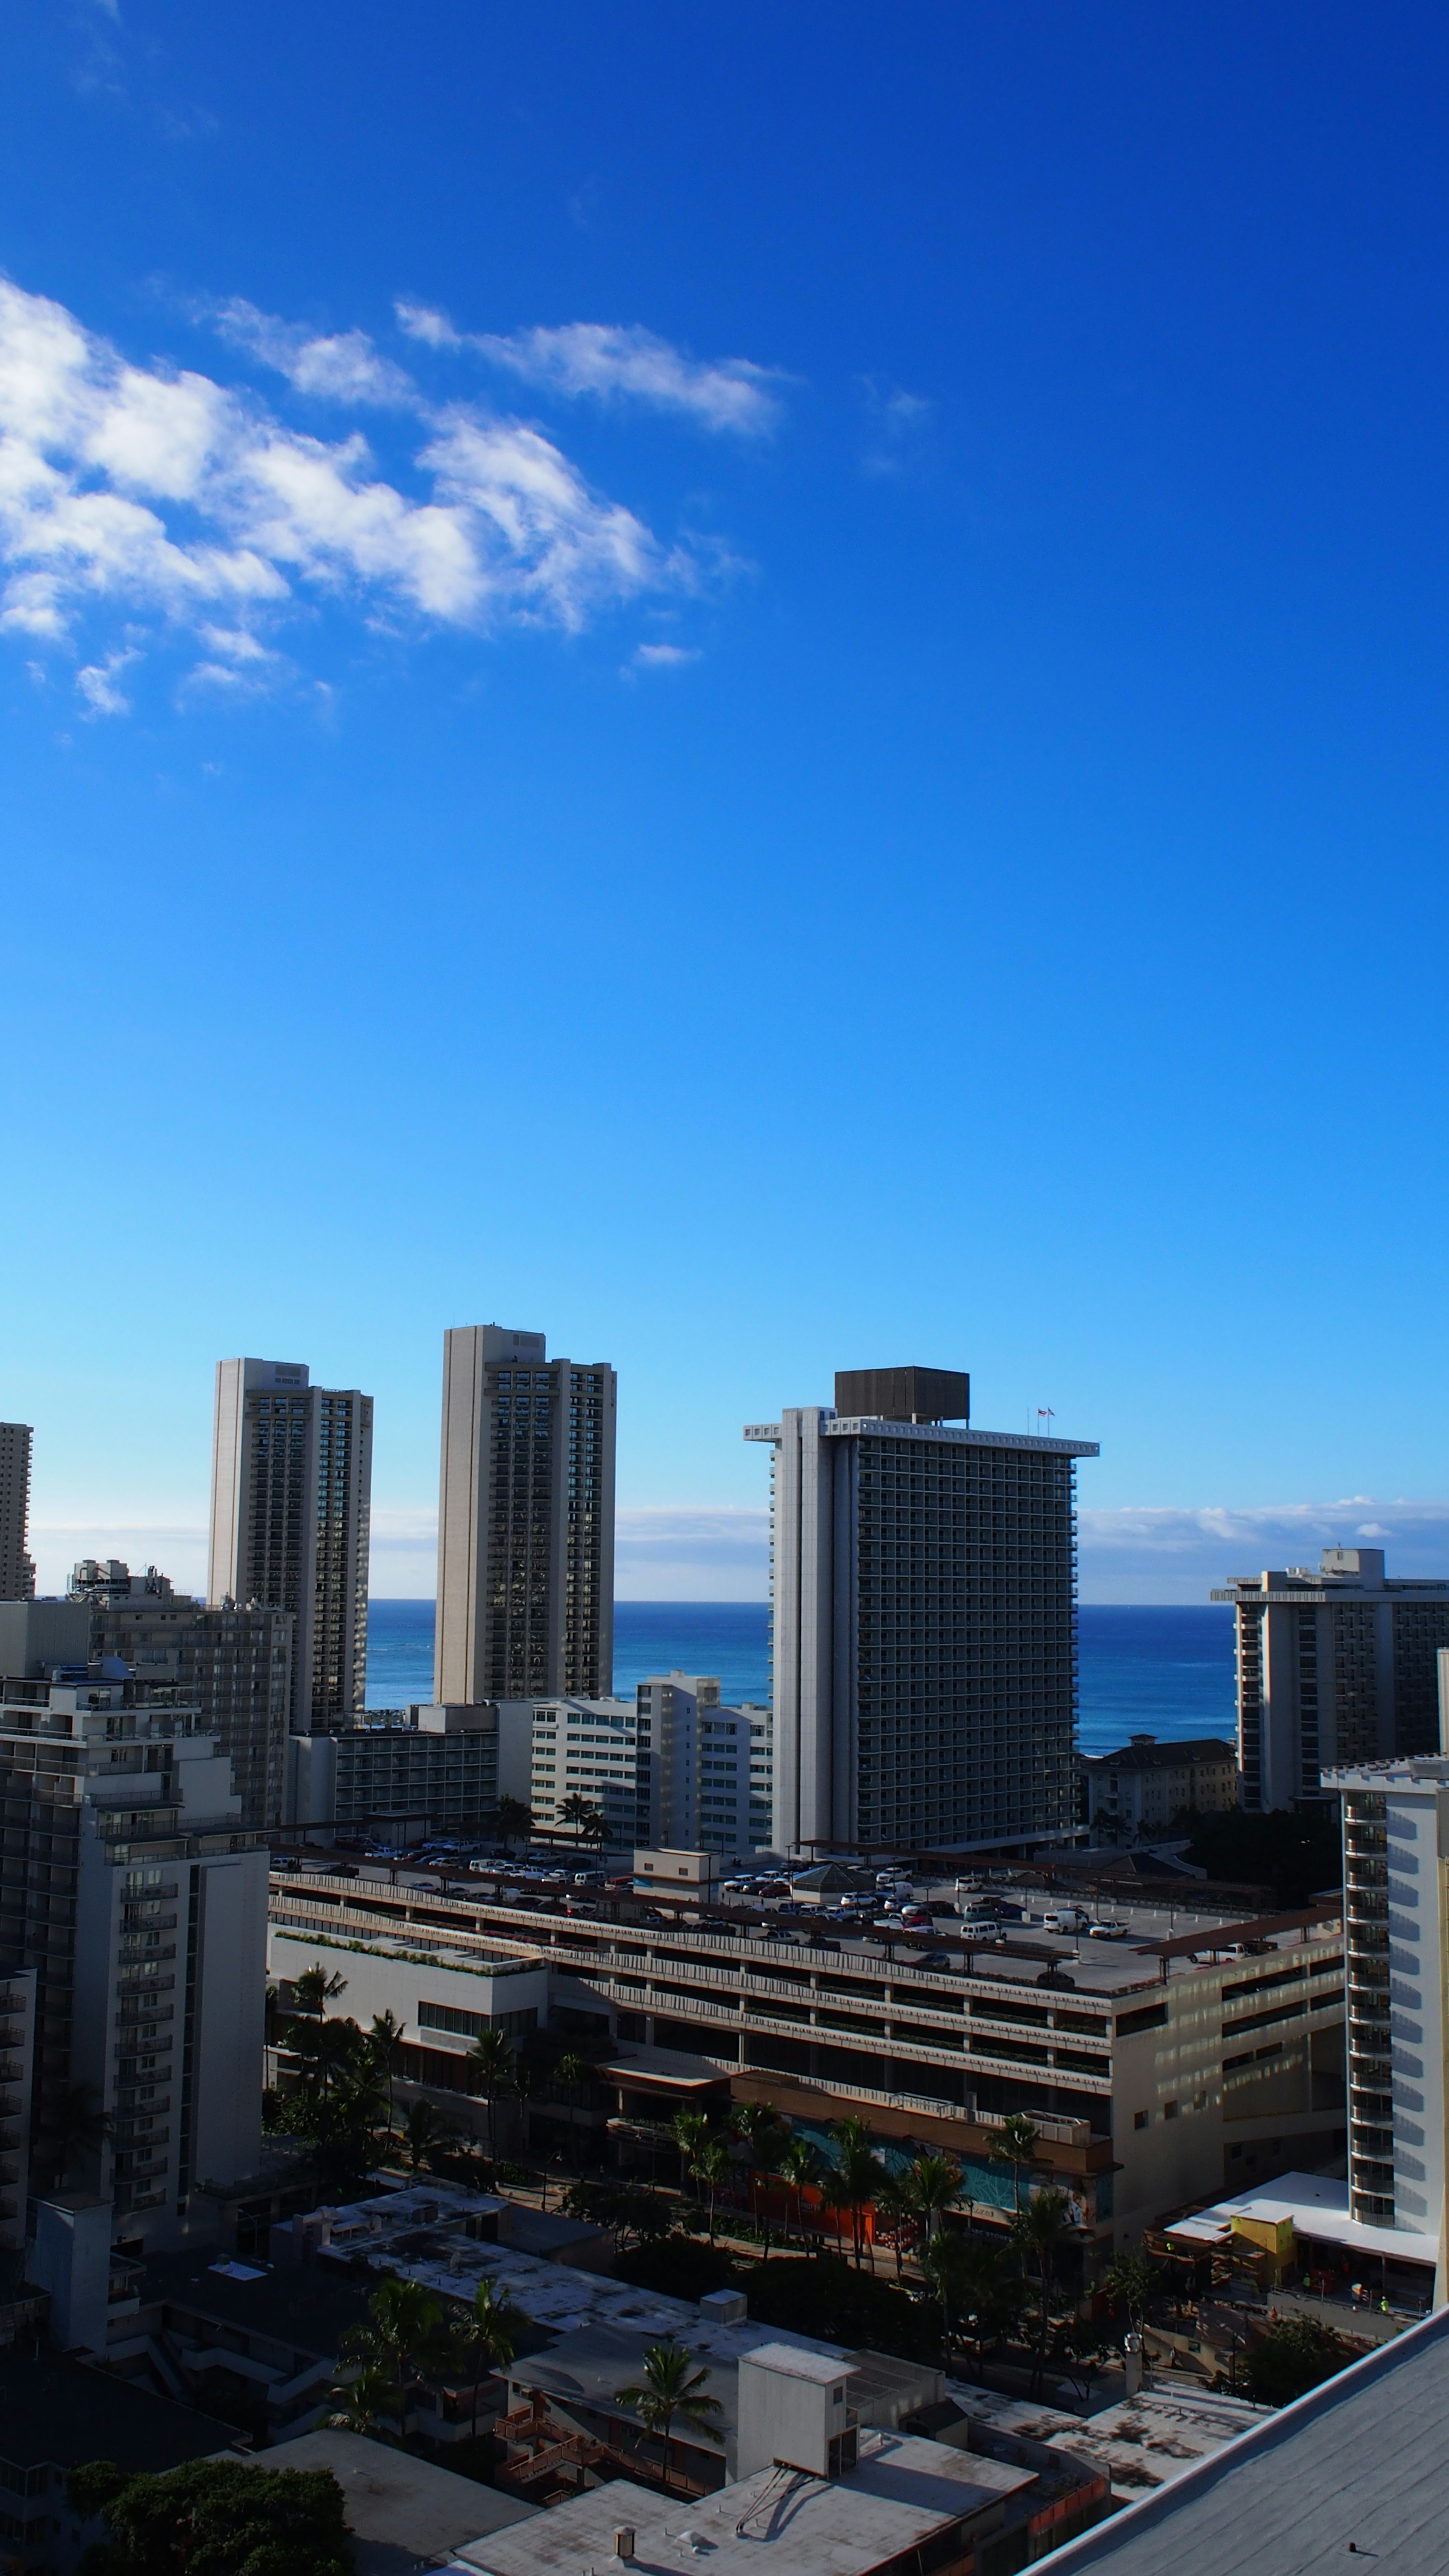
[[924, 1620], [525, 1521], [291, 1502], [17, 1573], [1337, 1667]]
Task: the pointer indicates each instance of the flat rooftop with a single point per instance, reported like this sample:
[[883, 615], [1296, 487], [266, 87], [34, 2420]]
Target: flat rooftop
[[403, 2514], [1317, 2206], [903, 2491], [1359, 2466]]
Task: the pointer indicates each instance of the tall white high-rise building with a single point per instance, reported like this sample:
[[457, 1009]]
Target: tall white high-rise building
[[17, 1573], [525, 1521], [924, 1619], [291, 1504]]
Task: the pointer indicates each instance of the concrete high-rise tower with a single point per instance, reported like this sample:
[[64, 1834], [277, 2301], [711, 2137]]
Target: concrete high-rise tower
[[17, 1574], [291, 1504], [924, 1619], [525, 1521]]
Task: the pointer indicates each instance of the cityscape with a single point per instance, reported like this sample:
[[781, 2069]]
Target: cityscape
[[724, 1534], [997, 2040]]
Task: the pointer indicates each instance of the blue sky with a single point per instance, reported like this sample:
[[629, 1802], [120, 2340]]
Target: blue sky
[[765, 688]]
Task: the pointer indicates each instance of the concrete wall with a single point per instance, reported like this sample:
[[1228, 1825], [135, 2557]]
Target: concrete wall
[[231, 1969]]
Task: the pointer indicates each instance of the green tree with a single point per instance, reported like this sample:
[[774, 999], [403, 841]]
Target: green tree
[[894, 2204], [367, 2402], [316, 1988], [491, 2059], [585, 1821], [712, 2164], [385, 2039], [424, 2130], [1017, 2143], [1297, 2354], [758, 2124], [214, 2518], [671, 2391], [486, 2333], [688, 2129], [513, 1819], [856, 2179], [403, 2326], [1037, 2232], [1131, 2283], [933, 2186], [799, 2168]]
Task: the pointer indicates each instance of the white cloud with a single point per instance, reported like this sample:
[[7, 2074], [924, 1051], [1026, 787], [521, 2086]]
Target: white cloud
[[164, 495], [617, 363], [342, 366], [96, 684], [661, 657], [899, 424], [1170, 1554]]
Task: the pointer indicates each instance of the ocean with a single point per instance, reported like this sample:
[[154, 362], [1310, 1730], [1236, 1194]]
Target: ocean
[[1163, 1672]]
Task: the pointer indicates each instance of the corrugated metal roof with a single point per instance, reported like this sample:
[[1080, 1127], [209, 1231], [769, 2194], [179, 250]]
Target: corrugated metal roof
[[1360, 2465]]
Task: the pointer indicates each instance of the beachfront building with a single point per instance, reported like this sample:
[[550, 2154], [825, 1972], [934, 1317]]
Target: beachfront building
[[235, 1664], [525, 1520], [1143, 1789], [1338, 1666], [291, 1505], [923, 1599]]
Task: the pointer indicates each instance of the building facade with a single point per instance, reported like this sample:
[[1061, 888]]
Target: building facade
[[1338, 1667], [291, 1504], [235, 1664], [131, 1891], [713, 1763], [1156, 2078], [602, 1750], [1138, 1792], [923, 1594], [1396, 1895], [525, 1521], [17, 1573], [435, 1772]]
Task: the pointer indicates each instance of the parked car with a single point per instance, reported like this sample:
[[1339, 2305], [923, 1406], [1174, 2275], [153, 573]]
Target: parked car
[[981, 1927], [935, 1959], [1109, 1929], [1064, 1918]]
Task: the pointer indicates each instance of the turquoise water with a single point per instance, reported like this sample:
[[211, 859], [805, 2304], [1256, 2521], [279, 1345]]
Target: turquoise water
[[1163, 1672]]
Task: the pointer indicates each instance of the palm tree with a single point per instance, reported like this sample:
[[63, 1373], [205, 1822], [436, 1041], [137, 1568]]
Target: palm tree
[[1131, 2283], [491, 2058], [423, 2130], [711, 2164], [799, 2167], [366, 2403], [525, 2086], [486, 2331], [965, 2275], [758, 2125], [670, 2388], [934, 2185], [857, 2174], [587, 1820], [385, 2041], [74, 2123], [688, 2129], [1037, 2232], [1016, 2143], [403, 2319], [513, 1819], [894, 2203], [315, 1990]]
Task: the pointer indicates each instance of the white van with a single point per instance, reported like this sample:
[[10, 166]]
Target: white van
[[980, 1927], [1064, 1918]]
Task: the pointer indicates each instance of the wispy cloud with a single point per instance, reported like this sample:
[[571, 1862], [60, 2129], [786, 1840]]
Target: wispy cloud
[[898, 426], [1179, 1554], [661, 657], [617, 363], [339, 366], [156, 494], [97, 685]]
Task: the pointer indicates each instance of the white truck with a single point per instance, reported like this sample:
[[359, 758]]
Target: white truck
[[1065, 1918]]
